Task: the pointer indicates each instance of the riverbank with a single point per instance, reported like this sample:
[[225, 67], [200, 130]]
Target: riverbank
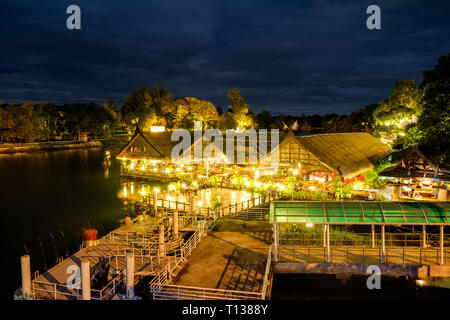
[[47, 146]]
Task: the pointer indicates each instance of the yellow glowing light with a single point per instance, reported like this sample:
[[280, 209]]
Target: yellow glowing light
[[309, 225], [312, 188], [195, 184], [177, 169], [295, 172], [157, 128], [247, 183], [132, 188], [183, 185], [167, 170], [154, 169], [142, 168], [171, 187], [125, 191], [132, 165], [156, 190], [199, 203], [143, 191]]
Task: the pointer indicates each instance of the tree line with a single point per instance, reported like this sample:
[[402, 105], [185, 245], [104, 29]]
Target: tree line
[[412, 113]]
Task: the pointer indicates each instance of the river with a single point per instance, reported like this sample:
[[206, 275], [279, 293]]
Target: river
[[48, 197]]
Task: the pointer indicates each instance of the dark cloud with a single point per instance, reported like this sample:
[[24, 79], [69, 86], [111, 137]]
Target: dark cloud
[[285, 56]]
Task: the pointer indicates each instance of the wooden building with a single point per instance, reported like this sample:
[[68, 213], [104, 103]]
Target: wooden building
[[344, 154], [415, 176], [324, 155]]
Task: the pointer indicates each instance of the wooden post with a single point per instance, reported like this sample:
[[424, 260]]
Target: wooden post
[[424, 236], [191, 201], [161, 241], [441, 242], [275, 240], [328, 243], [396, 192], [175, 224], [383, 245], [130, 276], [155, 202], [324, 235], [86, 279], [373, 236], [26, 276]]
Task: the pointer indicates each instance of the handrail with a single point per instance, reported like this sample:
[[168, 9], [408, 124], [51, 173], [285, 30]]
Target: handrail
[[399, 255], [193, 293]]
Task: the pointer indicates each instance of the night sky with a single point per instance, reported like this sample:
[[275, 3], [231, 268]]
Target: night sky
[[296, 57]]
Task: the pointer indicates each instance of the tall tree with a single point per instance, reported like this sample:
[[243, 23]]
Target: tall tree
[[137, 107], [435, 119], [240, 110], [190, 109], [401, 107]]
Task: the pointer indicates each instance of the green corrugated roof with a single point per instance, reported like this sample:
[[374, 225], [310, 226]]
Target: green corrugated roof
[[360, 212]]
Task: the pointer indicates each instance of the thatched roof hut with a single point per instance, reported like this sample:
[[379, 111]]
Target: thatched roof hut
[[347, 154], [411, 162]]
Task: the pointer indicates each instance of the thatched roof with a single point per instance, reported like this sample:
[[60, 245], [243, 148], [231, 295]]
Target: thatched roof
[[346, 153], [411, 162], [158, 145]]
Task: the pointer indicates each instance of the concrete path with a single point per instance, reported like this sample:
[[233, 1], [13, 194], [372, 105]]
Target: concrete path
[[226, 260]]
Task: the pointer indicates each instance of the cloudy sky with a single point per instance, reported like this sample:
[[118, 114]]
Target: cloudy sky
[[296, 57]]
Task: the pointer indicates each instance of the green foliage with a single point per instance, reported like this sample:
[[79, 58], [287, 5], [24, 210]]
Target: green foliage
[[341, 189], [237, 179], [240, 110], [413, 136], [301, 234], [371, 177], [21, 124], [402, 103], [290, 189], [434, 122], [214, 180], [215, 202], [189, 109]]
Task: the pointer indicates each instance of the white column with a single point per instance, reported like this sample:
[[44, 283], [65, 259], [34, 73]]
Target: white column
[[26, 276], [86, 279], [175, 224], [424, 236], [161, 241], [442, 245], [324, 235], [328, 243], [383, 245], [373, 236], [130, 276]]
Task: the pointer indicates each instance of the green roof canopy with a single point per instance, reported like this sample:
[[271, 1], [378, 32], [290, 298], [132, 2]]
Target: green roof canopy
[[360, 212]]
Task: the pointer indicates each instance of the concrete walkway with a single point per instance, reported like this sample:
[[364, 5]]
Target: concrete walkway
[[226, 260]]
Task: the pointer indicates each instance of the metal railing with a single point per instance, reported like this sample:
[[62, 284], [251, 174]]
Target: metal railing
[[362, 255], [177, 292], [267, 274], [359, 239]]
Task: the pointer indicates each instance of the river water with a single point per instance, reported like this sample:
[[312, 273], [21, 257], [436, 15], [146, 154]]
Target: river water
[[46, 198]]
